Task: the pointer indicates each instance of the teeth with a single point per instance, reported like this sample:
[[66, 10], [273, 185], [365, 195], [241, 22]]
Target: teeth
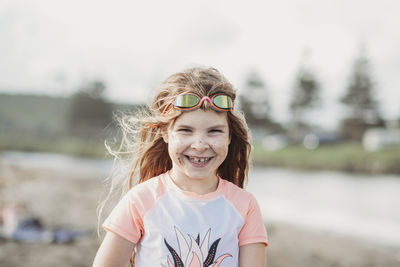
[[198, 160]]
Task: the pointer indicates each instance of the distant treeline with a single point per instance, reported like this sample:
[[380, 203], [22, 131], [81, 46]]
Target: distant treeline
[[361, 108], [71, 125], [43, 114]]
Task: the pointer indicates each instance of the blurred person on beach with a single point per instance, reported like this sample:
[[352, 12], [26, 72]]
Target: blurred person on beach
[[190, 156], [17, 223]]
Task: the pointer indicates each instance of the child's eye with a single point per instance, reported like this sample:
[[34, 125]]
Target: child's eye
[[215, 131], [184, 130]]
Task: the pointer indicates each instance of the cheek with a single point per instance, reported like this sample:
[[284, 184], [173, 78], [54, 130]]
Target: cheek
[[177, 144], [174, 151], [221, 145]]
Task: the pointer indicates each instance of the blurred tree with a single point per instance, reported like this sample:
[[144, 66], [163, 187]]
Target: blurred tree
[[359, 98], [88, 109], [254, 102], [305, 95], [304, 98]]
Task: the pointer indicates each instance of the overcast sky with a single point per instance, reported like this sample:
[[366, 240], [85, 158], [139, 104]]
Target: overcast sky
[[51, 46]]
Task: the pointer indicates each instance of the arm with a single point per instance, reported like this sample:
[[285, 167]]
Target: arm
[[113, 251], [253, 255]]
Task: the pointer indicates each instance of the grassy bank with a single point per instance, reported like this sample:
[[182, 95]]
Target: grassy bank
[[344, 157], [347, 157], [69, 145]]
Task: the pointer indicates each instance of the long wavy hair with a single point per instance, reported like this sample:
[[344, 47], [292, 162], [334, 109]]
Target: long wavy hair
[[143, 149]]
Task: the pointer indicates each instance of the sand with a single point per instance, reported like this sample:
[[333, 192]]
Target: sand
[[69, 199]]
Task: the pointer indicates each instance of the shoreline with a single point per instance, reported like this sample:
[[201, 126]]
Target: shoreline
[[348, 157]]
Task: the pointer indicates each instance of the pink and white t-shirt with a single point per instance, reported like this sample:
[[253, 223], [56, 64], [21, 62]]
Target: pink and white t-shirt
[[172, 227]]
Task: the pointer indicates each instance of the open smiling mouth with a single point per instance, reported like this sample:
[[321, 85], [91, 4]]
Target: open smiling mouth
[[198, 161]]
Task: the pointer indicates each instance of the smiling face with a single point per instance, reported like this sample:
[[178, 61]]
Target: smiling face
[[198, 144]]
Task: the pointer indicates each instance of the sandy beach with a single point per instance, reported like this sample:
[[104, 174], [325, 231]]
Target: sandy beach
[[68, 199]]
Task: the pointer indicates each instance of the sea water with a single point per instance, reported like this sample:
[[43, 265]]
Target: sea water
[[361, 206]]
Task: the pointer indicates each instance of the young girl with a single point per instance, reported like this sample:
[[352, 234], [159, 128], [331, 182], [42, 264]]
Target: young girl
[[189, 208]]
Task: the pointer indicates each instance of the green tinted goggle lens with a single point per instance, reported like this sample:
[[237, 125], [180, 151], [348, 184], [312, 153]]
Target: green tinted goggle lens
[[222, 101], [186, 101]]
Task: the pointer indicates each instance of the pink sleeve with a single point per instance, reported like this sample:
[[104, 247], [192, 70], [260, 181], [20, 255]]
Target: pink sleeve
[[253, 230], [125, 220]]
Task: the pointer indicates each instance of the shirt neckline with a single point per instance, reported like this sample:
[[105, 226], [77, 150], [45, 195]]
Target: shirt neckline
[[171, 183]]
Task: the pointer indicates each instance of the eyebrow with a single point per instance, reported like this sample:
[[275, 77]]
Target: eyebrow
[[218, 126], [182, 126], [211, 127]]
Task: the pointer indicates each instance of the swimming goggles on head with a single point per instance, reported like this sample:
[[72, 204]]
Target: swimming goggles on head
[[192, 101]]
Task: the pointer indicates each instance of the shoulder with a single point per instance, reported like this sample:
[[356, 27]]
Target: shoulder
[[235, 190], [153, 188], [238, 196], [244, 203]]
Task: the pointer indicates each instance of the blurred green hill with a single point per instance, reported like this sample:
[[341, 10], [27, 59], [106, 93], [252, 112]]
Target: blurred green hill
[[42, 123], [37, 113]]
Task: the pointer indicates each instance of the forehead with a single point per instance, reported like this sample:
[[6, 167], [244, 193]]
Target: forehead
[[202, 118]]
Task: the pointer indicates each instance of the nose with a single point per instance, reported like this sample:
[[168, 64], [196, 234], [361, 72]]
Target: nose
[[199, 144]]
